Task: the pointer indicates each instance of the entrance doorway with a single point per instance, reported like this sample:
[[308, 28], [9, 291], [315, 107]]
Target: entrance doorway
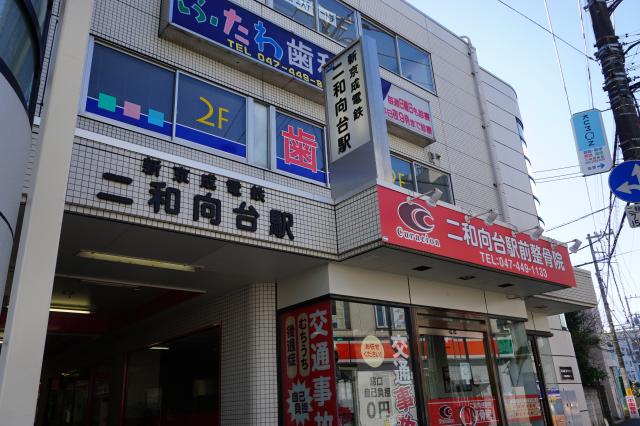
[[456, 373]]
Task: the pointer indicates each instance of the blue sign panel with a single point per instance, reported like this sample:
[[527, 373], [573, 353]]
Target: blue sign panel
[[210, 116], [300, 148], [591, 142], [624, 181], [246, 34]]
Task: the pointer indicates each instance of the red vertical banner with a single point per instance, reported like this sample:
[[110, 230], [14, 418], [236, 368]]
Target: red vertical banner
[[308, 373]]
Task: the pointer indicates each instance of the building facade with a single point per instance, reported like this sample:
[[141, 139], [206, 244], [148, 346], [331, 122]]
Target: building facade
[[242, 246]]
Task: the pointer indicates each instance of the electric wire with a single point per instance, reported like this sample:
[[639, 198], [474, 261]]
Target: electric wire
[[555, 45], [575, 220], [557, 168], [542, 27], [586, 61]]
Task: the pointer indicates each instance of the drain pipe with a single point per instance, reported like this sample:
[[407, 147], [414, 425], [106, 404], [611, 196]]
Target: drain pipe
[[488, 132]]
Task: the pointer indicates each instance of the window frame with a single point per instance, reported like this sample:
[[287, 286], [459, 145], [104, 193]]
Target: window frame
[[82, 110], [413, 164], [198, 147], [395, 43], [433, 77], [385, 314], [249, 112], [38, 31]]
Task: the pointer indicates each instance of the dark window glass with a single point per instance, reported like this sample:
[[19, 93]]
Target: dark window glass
[[402, 173], [387, 55], [517, 374], [374, 374], [381, 316], [17, 45], [299, 10], [300, 148], [416, 65], [210, 116], [429, 179], [130, 90], [175, 383], [520, 129], [40, 7], [337, 21]]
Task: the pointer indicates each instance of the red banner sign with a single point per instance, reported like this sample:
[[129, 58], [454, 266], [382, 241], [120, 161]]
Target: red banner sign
[[463, 411], [444, 232], [308, 366]]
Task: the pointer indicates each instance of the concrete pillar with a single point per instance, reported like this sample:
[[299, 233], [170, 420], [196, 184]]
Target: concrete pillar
[[26, 328]]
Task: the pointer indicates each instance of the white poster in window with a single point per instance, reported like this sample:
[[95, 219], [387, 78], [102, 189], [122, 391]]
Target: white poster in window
[[305, 6], [399, 322], [347, 109], [375, 403], [406, 110], [327, 16]]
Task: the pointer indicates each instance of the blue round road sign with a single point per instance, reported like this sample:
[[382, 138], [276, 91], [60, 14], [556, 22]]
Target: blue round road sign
[[624, 181]]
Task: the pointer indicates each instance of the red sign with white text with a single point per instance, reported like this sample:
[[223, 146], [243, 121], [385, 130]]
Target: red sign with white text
[[477, 411], [444, 232], [308, 366]]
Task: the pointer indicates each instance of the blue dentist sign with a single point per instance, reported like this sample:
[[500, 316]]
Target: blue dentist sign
[[624, 181], [250, 36]]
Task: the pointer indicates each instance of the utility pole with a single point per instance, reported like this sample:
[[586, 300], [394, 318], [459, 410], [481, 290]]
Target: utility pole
[[607, 312], [616, 81]]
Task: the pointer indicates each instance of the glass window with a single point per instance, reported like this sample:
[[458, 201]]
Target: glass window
[[211, 117], [402, 173], [176, 383], [40, 7], [456, 377], [300, 148], [416, 64], [337, 21], [299, 10], [17, 46], [260, 149], [381, 316], [428, 179], [516, 373], [375, 383], [340, 315], [386, 45], [520, 129], [130, 90], [550, 379]]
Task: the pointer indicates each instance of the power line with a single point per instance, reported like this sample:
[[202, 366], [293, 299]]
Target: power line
[[576, 220], [586, 61], [555, 45], [543, 28], [557, 168]]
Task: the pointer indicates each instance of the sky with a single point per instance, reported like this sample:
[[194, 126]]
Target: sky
[[522, 54]]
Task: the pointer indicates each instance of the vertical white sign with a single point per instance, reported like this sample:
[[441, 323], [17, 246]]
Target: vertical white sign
[[347, 108], [591, 142]]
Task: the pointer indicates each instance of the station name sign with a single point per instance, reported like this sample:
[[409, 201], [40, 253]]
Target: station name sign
[[445, 232]]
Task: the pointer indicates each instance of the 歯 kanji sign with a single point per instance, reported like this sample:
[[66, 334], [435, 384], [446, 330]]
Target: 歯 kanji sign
[[308, 366], [246, 34], [444, 232]]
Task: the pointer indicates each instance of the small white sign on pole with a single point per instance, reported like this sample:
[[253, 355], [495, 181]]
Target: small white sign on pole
[[633, 215], [591, 142]]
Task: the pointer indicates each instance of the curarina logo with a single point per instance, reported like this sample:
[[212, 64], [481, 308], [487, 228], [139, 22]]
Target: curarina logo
[[446, 413], [420, 223]]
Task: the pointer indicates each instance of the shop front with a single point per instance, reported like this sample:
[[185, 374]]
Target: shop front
[[399, 365]]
